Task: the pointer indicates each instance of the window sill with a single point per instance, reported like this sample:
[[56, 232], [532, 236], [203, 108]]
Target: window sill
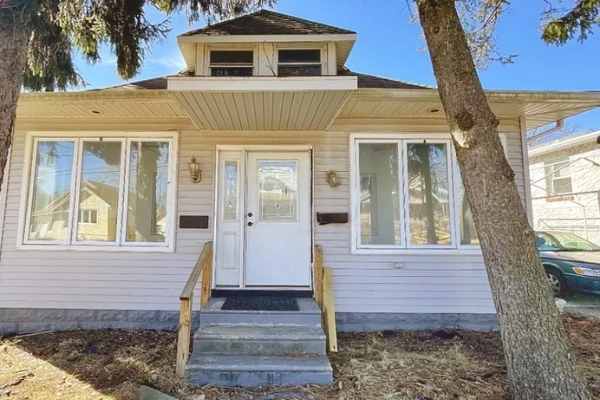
[[96, 248], [417, 252]]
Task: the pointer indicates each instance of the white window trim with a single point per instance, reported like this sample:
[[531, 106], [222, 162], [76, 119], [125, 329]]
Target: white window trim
[[321, 49], [78, 170], [406, 193], [253, 65], [565, 168], [26, 187], [394, 137]]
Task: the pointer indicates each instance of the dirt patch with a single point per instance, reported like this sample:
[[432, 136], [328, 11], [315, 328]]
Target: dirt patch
[[111, 364]]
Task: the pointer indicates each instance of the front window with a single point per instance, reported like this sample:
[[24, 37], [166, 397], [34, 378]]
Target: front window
[[78, 192], [379, 207], [410, 196], [428, 184], [50, 190], [299, 62]]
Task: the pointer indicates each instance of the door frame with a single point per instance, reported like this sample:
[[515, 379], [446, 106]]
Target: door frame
[[243, 189]]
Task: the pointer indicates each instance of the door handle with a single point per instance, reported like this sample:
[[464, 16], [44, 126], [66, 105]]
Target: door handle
[[250, 223], [250, 219]]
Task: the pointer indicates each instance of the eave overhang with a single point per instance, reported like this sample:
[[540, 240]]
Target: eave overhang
[[283, 108], [391, 106], [107, 109]]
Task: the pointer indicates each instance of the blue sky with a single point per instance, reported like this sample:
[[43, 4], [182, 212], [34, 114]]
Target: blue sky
[[390, 44]]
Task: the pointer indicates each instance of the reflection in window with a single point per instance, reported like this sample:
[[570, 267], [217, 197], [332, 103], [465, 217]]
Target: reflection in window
[[428, 188], [231, 62], [299, 62], [88, 216], [230, 206], [379, 200], [277, 189], [468, 234], [147, 192], [51, 191], [99, 191]]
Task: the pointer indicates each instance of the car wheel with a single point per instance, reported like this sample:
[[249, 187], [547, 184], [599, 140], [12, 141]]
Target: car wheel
[[557, 283]]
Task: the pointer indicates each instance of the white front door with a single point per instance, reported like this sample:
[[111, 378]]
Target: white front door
[[278, 233], [263, 219]]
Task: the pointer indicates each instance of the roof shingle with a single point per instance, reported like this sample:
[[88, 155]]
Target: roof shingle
[[364, 81], [266, 22]]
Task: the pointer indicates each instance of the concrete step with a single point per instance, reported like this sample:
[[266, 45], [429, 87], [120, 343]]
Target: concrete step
[[259, 340], [308, 315], [253, 371]]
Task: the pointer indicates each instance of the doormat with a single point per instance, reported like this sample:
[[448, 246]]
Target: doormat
[[260, 303]]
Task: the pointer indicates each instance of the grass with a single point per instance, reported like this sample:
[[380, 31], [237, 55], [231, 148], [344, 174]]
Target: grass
[[426, 365]]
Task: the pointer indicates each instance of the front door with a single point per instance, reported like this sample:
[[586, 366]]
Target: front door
[[275, 204]]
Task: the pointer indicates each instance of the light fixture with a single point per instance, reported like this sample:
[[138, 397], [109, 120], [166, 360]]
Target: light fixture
[[332, 179], [195, 171]]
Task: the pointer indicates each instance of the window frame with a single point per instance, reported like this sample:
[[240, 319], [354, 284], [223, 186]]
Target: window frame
[[563, 165], [454, 209], [251, 65], [70, 243], [406, 193], [292, 64], [74, 210]]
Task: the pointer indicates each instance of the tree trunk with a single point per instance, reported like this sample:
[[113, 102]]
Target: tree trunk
[[539, 360], [15, 31]]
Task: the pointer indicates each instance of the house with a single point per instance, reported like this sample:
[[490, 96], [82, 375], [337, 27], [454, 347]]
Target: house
[[565, 185], [268, 152]]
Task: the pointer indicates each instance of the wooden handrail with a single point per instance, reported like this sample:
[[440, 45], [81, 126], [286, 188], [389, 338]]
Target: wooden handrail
[[323, 294], [202, 271]]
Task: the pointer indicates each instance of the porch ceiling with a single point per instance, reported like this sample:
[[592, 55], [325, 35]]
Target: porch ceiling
[[263, 110]]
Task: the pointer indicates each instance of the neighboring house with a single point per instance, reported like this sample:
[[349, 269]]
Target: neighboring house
[[270, 113], [565, 185]]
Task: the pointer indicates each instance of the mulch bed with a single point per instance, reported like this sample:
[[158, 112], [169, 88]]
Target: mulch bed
[[435, 365]]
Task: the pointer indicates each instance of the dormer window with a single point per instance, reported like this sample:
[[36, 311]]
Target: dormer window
[[231, 63], [300, 62]]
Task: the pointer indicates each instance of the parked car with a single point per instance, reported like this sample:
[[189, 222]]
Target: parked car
[[572, 263]]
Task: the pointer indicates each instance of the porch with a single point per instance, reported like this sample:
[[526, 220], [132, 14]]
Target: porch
[[256, 347]]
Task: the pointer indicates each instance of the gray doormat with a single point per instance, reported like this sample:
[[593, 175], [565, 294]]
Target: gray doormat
[[260, 303]]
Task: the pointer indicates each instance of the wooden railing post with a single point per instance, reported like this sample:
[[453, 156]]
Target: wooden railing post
[[323, 294], [329, 311], [202, 271], [206, 285], [184, 335]]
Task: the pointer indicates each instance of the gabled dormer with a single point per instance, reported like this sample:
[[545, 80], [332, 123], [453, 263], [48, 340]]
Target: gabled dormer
[[267, 45]]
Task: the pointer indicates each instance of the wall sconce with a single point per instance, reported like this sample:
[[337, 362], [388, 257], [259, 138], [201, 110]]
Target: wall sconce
[[195, 171], [332, 179]]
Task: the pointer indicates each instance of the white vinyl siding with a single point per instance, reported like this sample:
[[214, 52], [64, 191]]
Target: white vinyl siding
[[410, 283]]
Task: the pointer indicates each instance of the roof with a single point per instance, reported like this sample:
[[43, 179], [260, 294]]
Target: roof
[[266, 22], [565, 143], [378, 82], [157, 83], [364, 81]]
